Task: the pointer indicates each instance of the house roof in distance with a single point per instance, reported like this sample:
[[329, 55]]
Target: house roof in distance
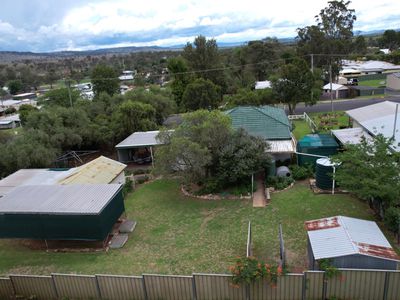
[[335, 87], [340, 236], [268, 122], [58, 199], [97, 171]]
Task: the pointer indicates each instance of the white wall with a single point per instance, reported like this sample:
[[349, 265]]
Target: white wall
[[120, 179]]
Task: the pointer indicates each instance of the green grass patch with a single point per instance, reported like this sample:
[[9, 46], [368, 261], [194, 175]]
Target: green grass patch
[[373, 83], [301, 129], [180, 235]]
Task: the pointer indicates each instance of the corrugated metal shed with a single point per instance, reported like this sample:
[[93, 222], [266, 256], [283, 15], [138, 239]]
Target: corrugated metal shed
[[140, 139], [379, 119], [268, 122], [342, 236], [97, 171], [58, 199], [351, 136]]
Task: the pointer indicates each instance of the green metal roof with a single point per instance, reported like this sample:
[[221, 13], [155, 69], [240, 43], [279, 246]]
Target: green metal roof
[[268, 122]]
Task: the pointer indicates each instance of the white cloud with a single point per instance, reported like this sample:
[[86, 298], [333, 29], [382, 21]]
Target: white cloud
[[132, 22]]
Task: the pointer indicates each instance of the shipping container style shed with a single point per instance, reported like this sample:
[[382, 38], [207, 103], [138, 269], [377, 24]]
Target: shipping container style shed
[[349, 243], [61, 212]]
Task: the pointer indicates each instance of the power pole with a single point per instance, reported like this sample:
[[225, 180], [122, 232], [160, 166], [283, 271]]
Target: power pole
[[330, 82], [312, 71], [69, 91]]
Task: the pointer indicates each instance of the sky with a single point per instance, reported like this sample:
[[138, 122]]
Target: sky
[[55, 25]]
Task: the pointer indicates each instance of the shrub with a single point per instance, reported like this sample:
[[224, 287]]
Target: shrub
[[141, 171], [392, 218], [279, 183], [127, 187], [248, 269], [209, 187], [10, 110], [300, 173], [331, 271]]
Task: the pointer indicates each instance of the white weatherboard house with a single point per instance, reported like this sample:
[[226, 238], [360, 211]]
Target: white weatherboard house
[[349, 243], [338, 90], [372, 120]]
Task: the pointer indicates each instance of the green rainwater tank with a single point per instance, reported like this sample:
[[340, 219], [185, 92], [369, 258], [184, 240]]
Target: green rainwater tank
[[323, 173]]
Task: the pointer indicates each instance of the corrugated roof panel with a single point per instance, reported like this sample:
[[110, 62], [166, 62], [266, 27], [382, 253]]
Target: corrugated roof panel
[[99, 170], [281, 146], [351, 136], [341, 236], [140, 139], [58, 199]]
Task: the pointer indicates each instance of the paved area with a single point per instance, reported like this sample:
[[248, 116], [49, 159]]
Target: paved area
[[259, 198]]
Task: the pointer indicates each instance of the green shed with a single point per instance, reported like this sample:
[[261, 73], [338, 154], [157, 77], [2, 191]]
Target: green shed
[[317, 144], [61, 212]]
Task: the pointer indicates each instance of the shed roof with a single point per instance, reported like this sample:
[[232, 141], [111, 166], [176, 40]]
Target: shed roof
[[260, 85], [351, 135], [379, 118], [58, 199], [99, 170], [340, 236], [268, 122], [282, 146], [140, 139], [318, 140], [335, 87]]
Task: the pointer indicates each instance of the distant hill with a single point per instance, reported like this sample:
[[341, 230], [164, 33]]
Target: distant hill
[[10, 56]]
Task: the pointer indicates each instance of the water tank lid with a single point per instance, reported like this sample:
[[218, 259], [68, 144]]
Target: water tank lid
[[325, 162]]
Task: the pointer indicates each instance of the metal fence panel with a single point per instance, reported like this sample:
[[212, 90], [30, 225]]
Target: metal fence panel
[[357, 284], [288, 287], [41, 287], [120, 287], [76, 286], [314, 285], [393, 287], [6, 289], [168, 287], [217, 286]]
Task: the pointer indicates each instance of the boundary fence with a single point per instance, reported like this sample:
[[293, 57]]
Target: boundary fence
[[350, 284], [306, 118]]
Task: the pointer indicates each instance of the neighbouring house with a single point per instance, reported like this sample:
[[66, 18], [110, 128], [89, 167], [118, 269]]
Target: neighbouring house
[[260, 85], [101, 170], [138, 147], [338, 91], [9, 123], [85, 90], [393, 81], [16, 103], [24, 96], [379, 118], [61, 212], [349, 243], [268, 122], [356, 68], [127, 75], [350, 136]]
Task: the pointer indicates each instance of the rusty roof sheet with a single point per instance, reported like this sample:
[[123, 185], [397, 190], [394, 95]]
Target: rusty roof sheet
[[340, 236], [98, 171]]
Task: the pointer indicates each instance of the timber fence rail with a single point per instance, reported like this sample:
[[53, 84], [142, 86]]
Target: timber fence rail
[[305, 117], [349, 284]]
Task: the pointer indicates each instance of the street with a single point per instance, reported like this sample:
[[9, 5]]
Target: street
[[325, 106]]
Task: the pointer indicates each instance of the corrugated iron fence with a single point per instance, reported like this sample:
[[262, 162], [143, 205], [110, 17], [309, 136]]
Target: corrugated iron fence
[[351, 284]]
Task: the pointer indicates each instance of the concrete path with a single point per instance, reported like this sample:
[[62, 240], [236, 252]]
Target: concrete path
[[259, 199]]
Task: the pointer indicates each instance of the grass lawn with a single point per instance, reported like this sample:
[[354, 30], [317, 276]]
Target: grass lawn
[[373, 83], [180, 235], [301, 129]]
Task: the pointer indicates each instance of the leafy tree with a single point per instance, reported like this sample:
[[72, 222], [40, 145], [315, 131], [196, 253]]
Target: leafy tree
[[242, 156], [160, 99], [295, 84], [24, 111], [250, 97], [15, 86], [390, 39], [201, 94], [203, 57], [60, 97], [51, 77], [370, 170], [134, 116], [105, 79], [261, 56], [331, 36], [360, 45], [177, 67]]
